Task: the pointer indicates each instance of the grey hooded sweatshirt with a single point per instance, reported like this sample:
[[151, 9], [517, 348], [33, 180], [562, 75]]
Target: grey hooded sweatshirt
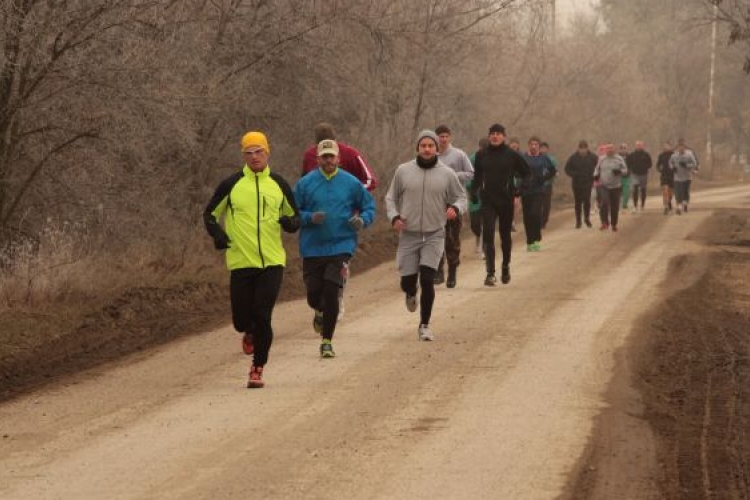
[[683, 164], [422, 195], [610, 170]]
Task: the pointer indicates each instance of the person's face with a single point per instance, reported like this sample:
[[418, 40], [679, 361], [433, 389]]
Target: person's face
[[445, 140], [583, 151], [515, 146], [496, 138], [639, 145], [681, 148], [543, 149], [610, 150], [623, 148], [427, 149], [533, 148], [328, 163], [256, 158], [667, 146]]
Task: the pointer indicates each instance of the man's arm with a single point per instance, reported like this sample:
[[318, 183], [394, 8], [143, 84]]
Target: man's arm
[[456, 193], [393, 197]]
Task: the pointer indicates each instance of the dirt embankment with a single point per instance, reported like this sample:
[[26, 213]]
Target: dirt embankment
[[40, 346], [679, 407]]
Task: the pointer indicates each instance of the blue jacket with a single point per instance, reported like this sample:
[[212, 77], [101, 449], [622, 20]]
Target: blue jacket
[[341, 196], [542, 170]]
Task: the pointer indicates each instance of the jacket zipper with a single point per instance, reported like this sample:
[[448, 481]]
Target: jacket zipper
[[258, 215], [421, 215]]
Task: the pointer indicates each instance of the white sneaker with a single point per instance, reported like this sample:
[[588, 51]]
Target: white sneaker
[[425, 334], [411, 303], [633, 210]]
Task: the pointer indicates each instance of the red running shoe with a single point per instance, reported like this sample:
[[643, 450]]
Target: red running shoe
[[256, 378], [247, 344]]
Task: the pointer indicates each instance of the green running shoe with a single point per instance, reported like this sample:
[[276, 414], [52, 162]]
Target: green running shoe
[[318, 322], [326, 349]]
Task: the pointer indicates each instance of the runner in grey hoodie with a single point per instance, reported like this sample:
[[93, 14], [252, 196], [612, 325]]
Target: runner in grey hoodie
[[424, 193], [609, 172], [683, 162]]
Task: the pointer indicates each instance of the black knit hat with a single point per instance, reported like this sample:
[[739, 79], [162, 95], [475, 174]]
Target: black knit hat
[[497, 128]]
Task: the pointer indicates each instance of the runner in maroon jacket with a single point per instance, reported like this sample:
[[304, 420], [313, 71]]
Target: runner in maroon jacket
[[350, 159]]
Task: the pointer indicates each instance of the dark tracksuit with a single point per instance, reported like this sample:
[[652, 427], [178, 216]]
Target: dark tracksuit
[[532, 195], [666, 180], [639, 163], [495, 170], [581, 170]]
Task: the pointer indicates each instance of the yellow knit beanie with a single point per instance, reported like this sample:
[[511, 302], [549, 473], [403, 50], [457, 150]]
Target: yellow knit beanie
[[257, 139]]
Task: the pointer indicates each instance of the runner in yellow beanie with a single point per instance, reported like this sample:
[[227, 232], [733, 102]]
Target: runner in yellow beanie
[[257, 139]]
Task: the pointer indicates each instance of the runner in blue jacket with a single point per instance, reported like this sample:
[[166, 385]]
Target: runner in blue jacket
[[333, 207]]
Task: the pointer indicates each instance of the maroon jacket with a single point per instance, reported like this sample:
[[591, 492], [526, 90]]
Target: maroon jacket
[[349, 159]]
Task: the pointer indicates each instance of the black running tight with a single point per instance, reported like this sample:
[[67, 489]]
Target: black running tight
[[427, 283]]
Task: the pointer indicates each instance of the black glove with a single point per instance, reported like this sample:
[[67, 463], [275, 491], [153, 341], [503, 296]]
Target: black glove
[[289, 224], [221, 240]]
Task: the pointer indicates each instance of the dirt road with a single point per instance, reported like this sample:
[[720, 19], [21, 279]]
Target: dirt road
[[501, 406]]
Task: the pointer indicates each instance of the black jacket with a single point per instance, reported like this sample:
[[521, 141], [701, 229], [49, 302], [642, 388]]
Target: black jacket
[[662, 165], [639, 162], [496, 169], [581, 169]]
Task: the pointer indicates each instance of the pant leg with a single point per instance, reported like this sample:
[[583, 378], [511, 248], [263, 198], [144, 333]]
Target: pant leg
[[453, 242], [505, 219], [603, 204], [688, 184], [532, 216], [578, 203], [427, 297], [265, 292], [614, 204], [313, 275], [586, 193], [679, 192], [489, 216], [330, 303], [625, 191]]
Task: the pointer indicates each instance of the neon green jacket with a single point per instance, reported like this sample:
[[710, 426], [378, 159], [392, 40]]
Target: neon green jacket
[[253, 206]]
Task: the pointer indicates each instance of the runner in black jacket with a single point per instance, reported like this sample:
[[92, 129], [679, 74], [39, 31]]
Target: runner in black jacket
[[580, 167], [495, 171], [667, 176]]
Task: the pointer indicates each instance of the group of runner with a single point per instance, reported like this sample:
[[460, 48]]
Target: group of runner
[[425, 203]]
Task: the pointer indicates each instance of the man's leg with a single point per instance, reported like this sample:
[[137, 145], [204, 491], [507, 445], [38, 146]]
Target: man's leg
[[488, 236], [527, 202], [614, 202], [603, 206], [578, 204], [265, 292], [505, 218], [427, 297], [453, 249], [586, 194]]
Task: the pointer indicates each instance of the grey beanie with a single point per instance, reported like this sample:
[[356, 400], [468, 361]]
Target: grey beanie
[[429, 134]]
